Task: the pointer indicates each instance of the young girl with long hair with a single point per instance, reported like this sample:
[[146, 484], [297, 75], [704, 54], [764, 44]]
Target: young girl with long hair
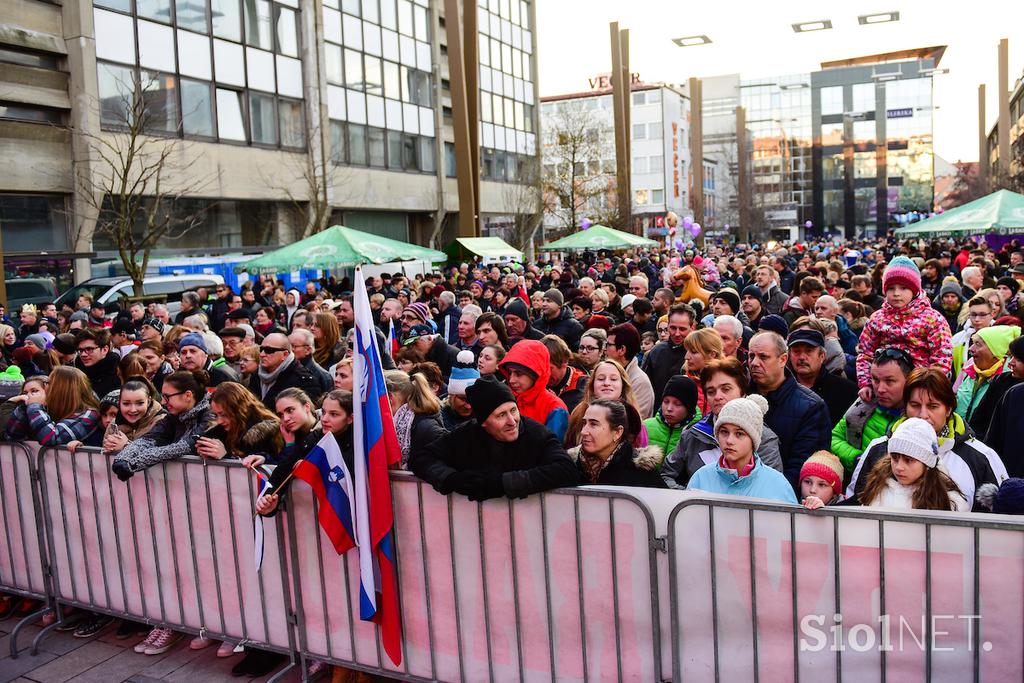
[[56, 412]]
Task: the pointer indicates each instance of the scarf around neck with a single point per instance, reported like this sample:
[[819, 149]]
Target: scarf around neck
[[267, 379]]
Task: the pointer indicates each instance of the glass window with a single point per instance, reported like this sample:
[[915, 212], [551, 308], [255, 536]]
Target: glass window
[[115, 37], [405, 17], [657, 196], [639, 131], [196, 108], [262, 119], [230, 123], [426, 153], [863, 97], [159, 10], [293, 129], [409, 153], [354, 69], [123, 5], [370, 11], [338, 142], [335, 73], [485, 107], [287, 33], [33, 223], [116, 85], [449, 160], [32, 113], [257, 24], [375, 142], [159, 101], [373, 76], [420, 23], [394, 149], [831, 99], [227, 19], [639, 98], [388, 16], [392, 82], [351, 6], [357, 144], [654, 131], [191, 14]]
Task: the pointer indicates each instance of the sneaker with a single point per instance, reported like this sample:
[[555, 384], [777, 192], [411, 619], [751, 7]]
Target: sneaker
[[72, 621], [163, 642], [141, 647], [226, 649], [7, 606], [93, 625], [129, 628], [200, 643]]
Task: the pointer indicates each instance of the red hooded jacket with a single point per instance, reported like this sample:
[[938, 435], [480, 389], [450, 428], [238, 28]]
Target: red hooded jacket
[[538, 402]]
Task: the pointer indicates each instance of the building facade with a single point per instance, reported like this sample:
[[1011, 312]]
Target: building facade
[[271, 103], [577, 130], [1015, 167]]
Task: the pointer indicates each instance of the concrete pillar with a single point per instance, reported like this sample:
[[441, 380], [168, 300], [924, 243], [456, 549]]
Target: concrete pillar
[[983, 159], [84, 122], [1003, 100], [467, 174], [318, 133], [696, 150]]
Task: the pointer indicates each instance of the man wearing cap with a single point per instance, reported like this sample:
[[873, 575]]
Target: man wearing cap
[[96, 361], [66, 346], [239, 316], [280, 370], [97, 316], [807, 360], [497, 453], [151, 329], [752, 305], [517, 322], [455, 408], [416, 313], [557, 320], [433, 347], [234, 340], [866, 421], [195, 356]]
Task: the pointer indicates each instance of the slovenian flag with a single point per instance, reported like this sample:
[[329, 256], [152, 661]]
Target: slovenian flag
[[392, 338], [326, 473], [376, 449]]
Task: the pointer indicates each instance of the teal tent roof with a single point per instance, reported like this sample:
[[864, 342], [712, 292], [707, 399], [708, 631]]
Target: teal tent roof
[[1000, 213]]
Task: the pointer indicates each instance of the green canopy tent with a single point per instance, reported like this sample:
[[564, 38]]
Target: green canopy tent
[[339, 247], [488, 248], [1000, 213], [599, 237]]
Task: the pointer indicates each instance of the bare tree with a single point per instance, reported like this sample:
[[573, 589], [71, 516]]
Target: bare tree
[[141, 178], [967, 185], [575, 182], [524, 200]]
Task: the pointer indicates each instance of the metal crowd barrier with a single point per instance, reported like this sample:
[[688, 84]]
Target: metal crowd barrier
[[559, 586], [173, 546], [877, 596], [23, 562], [587, 584]]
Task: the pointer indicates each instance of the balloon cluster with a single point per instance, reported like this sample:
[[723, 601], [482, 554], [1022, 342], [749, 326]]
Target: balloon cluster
[[585, 223], [690, 226]]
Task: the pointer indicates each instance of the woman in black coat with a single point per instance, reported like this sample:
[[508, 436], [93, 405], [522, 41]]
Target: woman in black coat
[[606, 454]]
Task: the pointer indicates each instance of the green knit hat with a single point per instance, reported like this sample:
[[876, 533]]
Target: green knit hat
[[998, 338]]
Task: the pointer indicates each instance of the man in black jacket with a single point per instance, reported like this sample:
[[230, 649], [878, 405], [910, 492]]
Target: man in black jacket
[[517, 322], [557, 320], [666, 358], [280, 370], [807, 360], [796, 414], [498, 453], [96, 361]]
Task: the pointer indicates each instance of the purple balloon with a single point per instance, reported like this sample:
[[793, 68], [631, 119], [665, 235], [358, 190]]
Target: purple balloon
[[809, 225], [585, 223], [679, 245], [688, 221], [695, 229]]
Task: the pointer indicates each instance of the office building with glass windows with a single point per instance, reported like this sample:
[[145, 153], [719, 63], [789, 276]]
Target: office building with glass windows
[[273, 101]]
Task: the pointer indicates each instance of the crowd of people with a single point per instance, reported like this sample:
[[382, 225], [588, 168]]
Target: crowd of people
[[874, 374]]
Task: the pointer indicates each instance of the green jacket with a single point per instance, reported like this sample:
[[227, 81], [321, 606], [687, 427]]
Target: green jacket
[[877, 425], [661, 435]]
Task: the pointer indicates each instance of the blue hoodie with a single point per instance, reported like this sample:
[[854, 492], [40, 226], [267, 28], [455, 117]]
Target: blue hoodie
[[762, 482]]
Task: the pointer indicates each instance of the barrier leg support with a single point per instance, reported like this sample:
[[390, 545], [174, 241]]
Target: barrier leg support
[[42, 634], [25, 621]]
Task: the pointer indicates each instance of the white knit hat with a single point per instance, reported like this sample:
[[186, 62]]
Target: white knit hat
[[916, 438], [747, 414]]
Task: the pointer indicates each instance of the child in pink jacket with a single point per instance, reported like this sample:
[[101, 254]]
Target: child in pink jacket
[[906, 321]]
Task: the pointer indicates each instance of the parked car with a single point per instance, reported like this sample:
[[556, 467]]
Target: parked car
[[29, 290], [117, 293]]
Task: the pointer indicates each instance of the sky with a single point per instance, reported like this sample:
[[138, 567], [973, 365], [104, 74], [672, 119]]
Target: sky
[[756, 39]]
